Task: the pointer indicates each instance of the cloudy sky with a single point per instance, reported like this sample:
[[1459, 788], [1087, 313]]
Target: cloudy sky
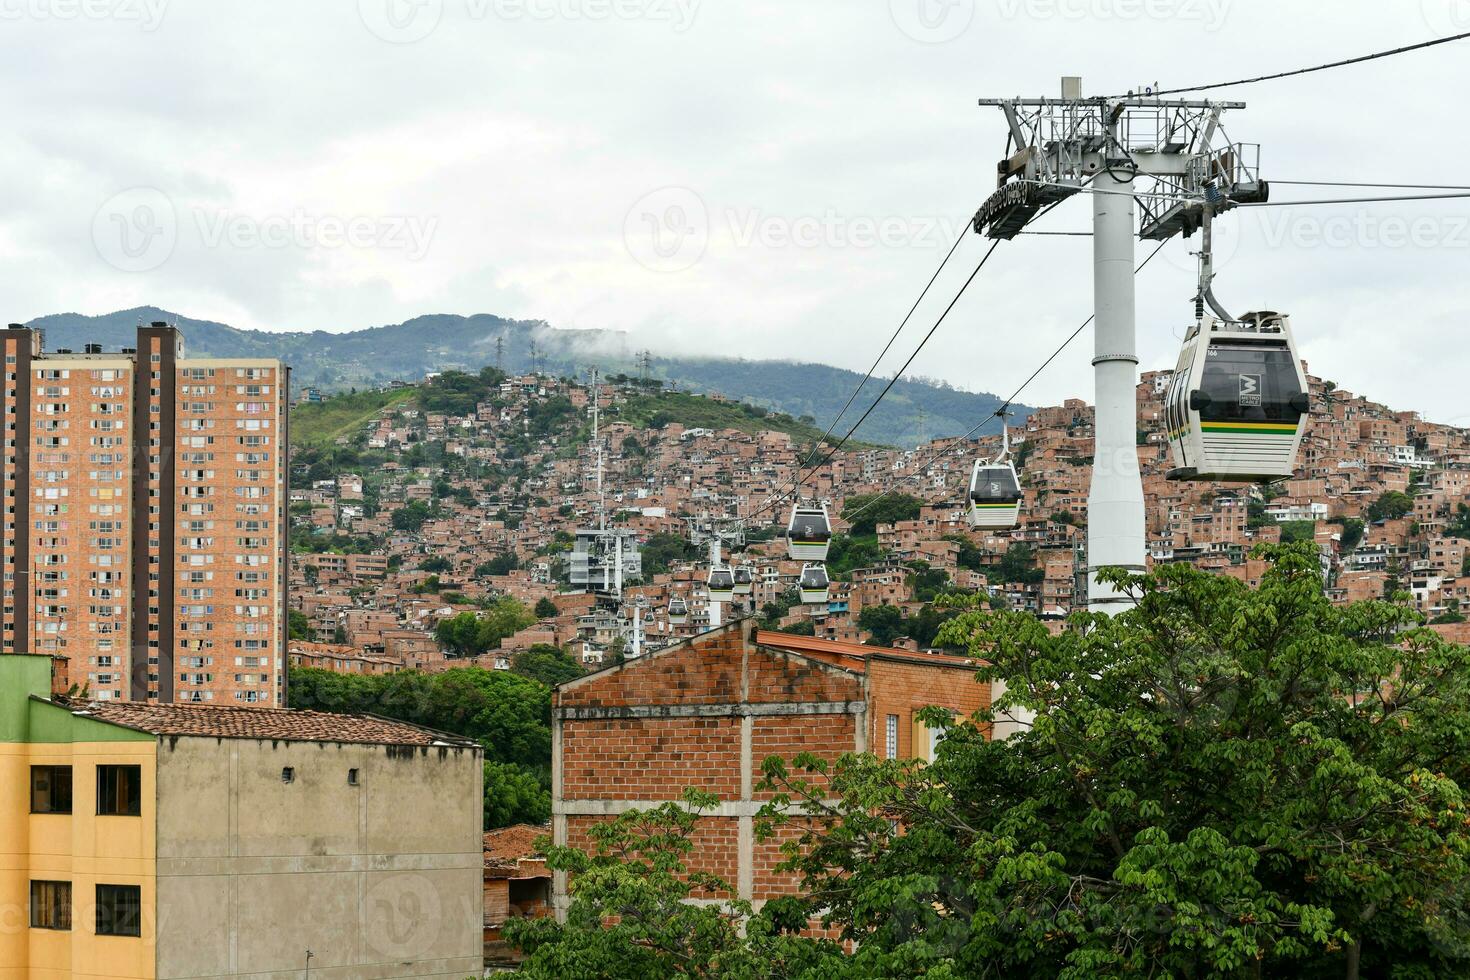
[[733, 177]]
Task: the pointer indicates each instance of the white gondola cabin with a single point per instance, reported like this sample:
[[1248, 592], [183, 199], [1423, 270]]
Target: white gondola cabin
[[809, 533], [678, 611], [744, 581], [1237, 403], [995, 495], [815, 586], [721, 585]]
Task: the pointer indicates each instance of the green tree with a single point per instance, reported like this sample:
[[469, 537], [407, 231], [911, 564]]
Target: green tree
[[1298, 531], [1390, 505], [884, 622], [1459, 525], [299, 625], [509, 715], [471, 634], [630, 914], [1352, 532], [926, 583], [547, 664], [1018, 564], [436, 563], [499, 565], [546, 609], [411, 516], [847, 553], [867, 511], [513, 795], [662, 550], [1221, 782]]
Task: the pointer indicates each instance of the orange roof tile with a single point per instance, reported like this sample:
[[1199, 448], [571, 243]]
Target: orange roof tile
[[854, 656], [283, 724]]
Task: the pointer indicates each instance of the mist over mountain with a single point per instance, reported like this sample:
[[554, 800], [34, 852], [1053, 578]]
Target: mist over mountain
[[912, 411]]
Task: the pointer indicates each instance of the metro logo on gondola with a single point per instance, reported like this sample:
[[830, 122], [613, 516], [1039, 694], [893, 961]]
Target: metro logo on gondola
[[1250, 390]]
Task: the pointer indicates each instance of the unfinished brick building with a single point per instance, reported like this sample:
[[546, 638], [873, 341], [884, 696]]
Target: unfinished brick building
[[708, 711]]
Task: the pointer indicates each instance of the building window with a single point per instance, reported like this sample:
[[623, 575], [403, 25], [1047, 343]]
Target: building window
[[50, 905], [119, 792], [352, 777], [890, 737], [119, 910], [288, 775], [50, 789]]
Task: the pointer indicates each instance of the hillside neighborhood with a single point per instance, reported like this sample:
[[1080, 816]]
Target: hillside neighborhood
[[463, 497]]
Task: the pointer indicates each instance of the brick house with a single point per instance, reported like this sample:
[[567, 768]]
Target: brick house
[[707, 711]]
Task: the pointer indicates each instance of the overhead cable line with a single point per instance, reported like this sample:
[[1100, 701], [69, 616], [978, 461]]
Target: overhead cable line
[[817, 446], [1354, 200], [802, 478], [1005, 406], [1315, 68], [1365, 183]]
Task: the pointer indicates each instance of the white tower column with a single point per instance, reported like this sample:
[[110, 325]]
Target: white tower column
[[1115, 517]]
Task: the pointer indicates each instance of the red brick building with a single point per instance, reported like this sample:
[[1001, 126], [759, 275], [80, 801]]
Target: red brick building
[[706, 712]]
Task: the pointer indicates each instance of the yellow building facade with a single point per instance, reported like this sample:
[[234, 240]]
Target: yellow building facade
[[61, 846]]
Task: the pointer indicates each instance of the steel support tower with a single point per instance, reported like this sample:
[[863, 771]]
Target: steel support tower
[[1105, 146]]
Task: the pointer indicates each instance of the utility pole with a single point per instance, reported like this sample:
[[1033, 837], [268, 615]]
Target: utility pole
[[1059, 147]]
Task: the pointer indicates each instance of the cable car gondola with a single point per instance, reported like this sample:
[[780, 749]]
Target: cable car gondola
[[721, 585], [678, 611], [744, 581], [995, 489], [1235, 405], [815, 586], [809, 533]]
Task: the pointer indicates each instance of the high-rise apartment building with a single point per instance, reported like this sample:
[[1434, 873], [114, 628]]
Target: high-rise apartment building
[[145, 534]]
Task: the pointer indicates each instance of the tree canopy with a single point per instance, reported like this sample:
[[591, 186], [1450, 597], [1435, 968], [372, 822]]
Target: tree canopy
[[867, 511], [508, 714], [1221, 782], [471, 634], [1390, 505]]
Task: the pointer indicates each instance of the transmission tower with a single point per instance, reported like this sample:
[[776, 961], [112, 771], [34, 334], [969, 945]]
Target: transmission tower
[[500, 353], [1056, 147], [535, 354]]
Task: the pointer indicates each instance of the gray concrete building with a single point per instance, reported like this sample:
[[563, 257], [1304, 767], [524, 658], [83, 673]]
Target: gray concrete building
[[251, 843]]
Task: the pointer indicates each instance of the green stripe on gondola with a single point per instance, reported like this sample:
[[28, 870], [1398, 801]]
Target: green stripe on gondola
[[994, 506], [809, 541], [1250, 428]]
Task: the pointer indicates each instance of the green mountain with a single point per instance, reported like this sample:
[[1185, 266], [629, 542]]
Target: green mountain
[[438, 342]]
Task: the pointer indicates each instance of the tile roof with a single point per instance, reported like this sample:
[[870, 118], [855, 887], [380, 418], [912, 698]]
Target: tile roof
[[288, 725], [855, 656], [508, 845]]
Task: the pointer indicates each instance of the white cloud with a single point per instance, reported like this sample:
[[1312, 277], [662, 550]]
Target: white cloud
[[525, 132]]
